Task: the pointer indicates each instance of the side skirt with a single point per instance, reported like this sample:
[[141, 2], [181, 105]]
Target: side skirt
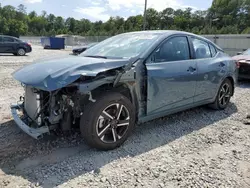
[[170, 112]]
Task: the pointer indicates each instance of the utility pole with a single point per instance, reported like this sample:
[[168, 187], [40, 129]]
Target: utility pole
[[144, 18]]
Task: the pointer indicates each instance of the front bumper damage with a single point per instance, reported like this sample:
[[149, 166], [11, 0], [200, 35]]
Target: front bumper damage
[[36, 133], [42, 112]]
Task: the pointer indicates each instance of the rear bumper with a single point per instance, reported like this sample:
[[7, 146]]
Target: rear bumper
[[244, 71], [33, 132], [29, 49]]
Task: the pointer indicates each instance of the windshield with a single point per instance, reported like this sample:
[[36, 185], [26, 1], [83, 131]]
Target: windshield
[[247, 52], [122, 46]]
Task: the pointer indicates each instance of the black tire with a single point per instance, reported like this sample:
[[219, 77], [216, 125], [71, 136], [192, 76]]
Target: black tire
[[15, 54], [91, 117], [217, 105], [21, 52]]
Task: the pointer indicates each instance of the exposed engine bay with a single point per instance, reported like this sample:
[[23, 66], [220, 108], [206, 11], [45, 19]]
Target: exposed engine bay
[[58, 108]]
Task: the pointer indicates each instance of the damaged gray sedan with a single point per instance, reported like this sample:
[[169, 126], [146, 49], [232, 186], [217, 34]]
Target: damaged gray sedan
[[126, 79]]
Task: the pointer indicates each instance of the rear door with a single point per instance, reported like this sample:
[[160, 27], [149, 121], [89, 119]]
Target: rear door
[[210, 70], [171, 74]]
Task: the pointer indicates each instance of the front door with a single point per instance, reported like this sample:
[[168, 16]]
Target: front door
[[171, 76]]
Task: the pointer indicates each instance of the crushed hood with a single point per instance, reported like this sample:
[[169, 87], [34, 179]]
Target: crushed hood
[[55, 73]]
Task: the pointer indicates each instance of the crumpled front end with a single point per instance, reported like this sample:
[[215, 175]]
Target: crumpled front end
[[38, 111], [27, 113], [57, 91], [25, 125]]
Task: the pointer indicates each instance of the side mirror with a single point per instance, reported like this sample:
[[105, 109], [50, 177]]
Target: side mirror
[[239, 53]]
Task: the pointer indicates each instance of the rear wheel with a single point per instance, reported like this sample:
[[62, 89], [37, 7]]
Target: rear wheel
[[224, 95], [21, 52], [107, 123]]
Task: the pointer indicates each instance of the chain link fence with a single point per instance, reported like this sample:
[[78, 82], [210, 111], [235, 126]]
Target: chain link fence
[[70, 40], [32, 39], [230, 43]]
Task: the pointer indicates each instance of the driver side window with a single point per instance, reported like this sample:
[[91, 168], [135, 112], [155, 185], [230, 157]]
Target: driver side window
[[174, 49]]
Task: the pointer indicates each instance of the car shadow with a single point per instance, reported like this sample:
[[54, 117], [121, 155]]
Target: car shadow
[[33, 160], [7, 55]]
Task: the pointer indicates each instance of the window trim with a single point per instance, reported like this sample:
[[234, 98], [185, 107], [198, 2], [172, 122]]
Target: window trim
[[148, 60], [216, 51]]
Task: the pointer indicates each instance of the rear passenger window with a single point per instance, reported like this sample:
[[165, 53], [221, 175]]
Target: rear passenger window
[[8, 39], [213, 50], [174, 49], [202, 50]]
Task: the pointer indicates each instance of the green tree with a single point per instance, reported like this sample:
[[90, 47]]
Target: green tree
[[166, 18], [223, 17], [70, 24], [153, 19]]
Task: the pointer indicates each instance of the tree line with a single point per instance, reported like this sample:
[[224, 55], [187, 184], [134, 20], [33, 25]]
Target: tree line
[[223, 17]]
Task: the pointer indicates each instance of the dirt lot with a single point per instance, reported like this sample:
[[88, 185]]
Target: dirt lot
[[195, 148]]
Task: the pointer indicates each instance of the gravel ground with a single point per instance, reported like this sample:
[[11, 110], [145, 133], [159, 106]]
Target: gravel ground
[[195, 148]]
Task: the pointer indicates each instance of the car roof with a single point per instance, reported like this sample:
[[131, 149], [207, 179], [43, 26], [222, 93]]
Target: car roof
[[9, 36], [162, 32]]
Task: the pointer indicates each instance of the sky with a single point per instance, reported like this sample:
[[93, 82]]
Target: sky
[[95, 10]]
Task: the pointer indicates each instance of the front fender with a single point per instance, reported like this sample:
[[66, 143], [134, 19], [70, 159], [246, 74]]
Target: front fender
[[85, 88]]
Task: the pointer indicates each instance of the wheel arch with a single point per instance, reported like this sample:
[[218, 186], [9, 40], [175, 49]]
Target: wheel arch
[[126, 89], [20, 47], [230, 78]]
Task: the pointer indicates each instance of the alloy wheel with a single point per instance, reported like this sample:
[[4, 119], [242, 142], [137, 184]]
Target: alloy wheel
[[224, 95], [113, 123], [21, 52]]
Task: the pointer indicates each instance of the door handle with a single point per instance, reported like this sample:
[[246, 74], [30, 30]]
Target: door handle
[[191, 69]]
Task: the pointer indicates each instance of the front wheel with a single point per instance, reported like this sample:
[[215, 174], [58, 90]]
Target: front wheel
[[107, 123], [224, 95]]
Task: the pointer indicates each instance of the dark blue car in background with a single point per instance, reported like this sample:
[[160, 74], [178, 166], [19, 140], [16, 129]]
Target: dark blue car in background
[[126, 79], [13, 45]]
